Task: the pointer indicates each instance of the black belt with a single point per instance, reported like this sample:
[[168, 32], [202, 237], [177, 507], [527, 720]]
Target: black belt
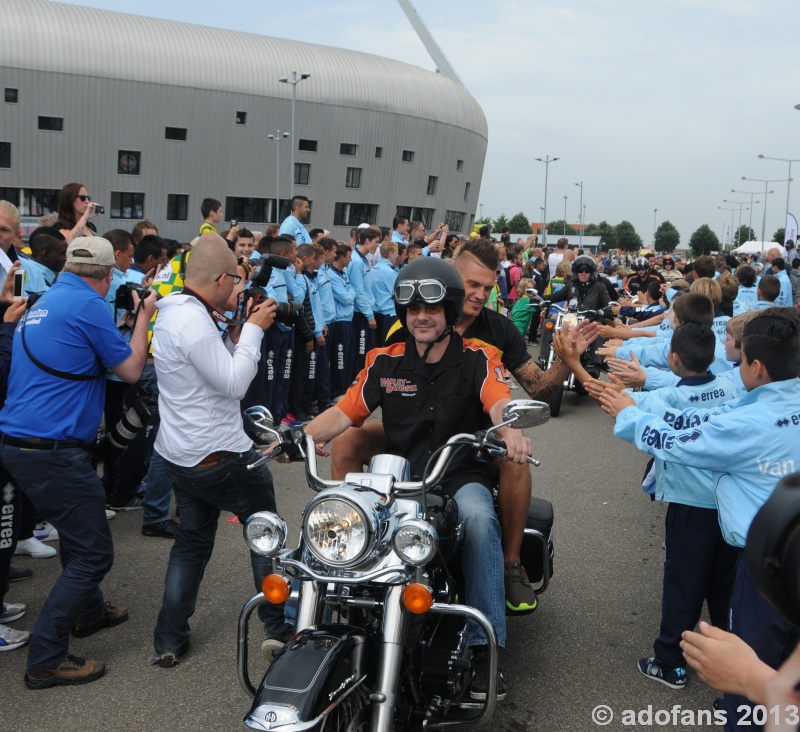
[[36, 443]]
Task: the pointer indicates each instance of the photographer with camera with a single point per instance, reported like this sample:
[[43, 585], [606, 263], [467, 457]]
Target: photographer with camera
[[50, 459], [202, 377]]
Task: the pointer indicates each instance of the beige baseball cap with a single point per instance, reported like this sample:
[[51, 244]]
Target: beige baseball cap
[[97, 251]]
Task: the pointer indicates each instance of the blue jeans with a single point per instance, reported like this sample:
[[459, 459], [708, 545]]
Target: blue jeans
[[68, 493], [200, 494], [482, 560]]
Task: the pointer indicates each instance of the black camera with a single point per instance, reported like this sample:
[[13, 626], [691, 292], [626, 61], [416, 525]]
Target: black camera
[[288, 313], [123, 300], [142, 408]]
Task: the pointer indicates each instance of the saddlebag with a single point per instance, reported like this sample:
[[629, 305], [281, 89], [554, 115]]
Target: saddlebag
[[537, 543]]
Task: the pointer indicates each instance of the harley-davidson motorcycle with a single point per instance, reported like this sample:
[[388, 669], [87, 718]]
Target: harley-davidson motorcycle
[[380, 638]]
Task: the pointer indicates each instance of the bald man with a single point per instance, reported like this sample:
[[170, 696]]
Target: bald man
[[204, 363]]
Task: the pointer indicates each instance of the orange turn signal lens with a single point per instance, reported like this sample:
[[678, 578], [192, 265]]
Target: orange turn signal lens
[[276, 589], [417, 598], [548, 325]]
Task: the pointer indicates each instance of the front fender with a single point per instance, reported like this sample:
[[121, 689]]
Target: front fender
[[315, 670]]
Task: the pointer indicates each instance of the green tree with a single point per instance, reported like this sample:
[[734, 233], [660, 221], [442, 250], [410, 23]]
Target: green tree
[[557, 229], [627, 238], [779, 235], [519, 224], [667, 237], [743, 234], [704, 241], [500, 222], [606, 232]]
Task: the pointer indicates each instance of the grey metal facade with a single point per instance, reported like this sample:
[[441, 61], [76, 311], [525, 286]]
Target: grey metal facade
[[140, 75]]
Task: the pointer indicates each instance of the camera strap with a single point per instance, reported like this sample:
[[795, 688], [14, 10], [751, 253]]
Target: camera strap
[[217, 316], [36, 362]]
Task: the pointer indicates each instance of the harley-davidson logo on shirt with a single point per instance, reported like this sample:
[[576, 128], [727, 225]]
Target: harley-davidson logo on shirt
[[403, 385]]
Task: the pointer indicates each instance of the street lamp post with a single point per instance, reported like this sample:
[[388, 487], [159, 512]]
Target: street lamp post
[[723, 208], [789, 180], [655, 213], [278, 136], [751, 194], [541, 213], [565, 215], [739, 204], [294, 81], [766, 186], [481, 205], [580, 215], [547, 160]]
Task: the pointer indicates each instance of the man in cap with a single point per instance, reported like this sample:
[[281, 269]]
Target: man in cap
[[62, 349]]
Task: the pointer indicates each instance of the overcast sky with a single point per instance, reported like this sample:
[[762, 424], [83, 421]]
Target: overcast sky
[[663, 104]]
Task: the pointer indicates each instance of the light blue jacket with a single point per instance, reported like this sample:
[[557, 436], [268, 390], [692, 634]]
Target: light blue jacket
[[357, 271], [677, 483], [316, 303], [276, 289], [291, 225], [326, 293], [785, 296], [747, 297], [343, 294], [381, 279], [38, 278], [748, 445]]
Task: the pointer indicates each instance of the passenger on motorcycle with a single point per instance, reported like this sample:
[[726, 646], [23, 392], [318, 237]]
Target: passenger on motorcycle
[[434, 385]]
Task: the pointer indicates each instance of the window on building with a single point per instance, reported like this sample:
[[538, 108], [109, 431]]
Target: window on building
[[177, 207], [127, 205], [302, 172], [128, 162], [347, 148], [52, 124], [416, 213], [307, 145], [353, 178], [12, 95], [378, 152], [241, 118], [408, 156], [466, 192], [460, 166], [10, 194], [353, 214], [455, 220], [175, 133], [38, 201], [286, 209], [5, 154], [252, 210], [432, 181]]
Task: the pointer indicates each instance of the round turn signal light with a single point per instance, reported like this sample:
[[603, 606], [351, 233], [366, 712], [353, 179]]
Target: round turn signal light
[[417, 598], [276, 589]]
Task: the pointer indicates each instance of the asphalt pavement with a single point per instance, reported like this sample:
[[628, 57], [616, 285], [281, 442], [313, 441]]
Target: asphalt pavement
[[576, 653]]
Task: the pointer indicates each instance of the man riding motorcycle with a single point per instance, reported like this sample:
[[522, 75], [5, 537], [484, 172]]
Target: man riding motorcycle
[[643, 276], [435, 385]]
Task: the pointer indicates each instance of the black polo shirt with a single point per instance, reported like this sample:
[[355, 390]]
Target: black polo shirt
[[489, 329], [423, 404]]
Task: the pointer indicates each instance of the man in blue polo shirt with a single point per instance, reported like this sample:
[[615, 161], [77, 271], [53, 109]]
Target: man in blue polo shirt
[[292, 225], [62, 349]]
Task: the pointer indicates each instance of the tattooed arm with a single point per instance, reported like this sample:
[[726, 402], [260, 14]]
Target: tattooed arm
[[541, 385]]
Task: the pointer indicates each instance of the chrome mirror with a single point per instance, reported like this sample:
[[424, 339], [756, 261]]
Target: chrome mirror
[[524, 413]]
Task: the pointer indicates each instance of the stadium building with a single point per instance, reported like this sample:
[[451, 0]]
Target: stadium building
[[152, 116]]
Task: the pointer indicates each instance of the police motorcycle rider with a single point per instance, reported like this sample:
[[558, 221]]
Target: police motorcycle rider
[[584, 291], [434, 385]]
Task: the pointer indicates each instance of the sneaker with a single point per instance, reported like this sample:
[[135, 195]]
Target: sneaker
[[12, 611], [520, 596], [273, 644], [111, 617], [45, 531], [110, 514], [168, 660], [291, 421], [480, 676], [125, 503], [35, 548], [71, 671], [674, 678], [11, 639], [165, 529], [18, 574]]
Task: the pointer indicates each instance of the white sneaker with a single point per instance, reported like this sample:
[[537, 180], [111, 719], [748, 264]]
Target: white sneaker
[[45, 531], [12, 611], [35, 548], [11, 639], [110, 514]]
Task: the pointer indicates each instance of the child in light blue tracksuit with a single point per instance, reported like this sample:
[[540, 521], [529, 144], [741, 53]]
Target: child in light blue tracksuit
[[748, 445]]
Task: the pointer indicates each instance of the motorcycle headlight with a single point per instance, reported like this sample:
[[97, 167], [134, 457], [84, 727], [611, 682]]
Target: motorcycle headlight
[[336, 531], [415, 542], [265, 533]]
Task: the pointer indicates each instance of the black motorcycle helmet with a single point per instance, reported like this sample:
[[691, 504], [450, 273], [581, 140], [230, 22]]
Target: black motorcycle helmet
[[641, 264], [429, 280], [668, 260], [584, 263]]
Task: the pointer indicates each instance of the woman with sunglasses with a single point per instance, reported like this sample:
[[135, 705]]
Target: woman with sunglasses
[[75, 208]]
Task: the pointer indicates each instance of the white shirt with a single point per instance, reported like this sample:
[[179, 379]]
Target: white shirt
[[553, 260], [201, 379]]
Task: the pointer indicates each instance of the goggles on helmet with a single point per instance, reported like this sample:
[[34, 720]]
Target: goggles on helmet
[[427, 291]]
